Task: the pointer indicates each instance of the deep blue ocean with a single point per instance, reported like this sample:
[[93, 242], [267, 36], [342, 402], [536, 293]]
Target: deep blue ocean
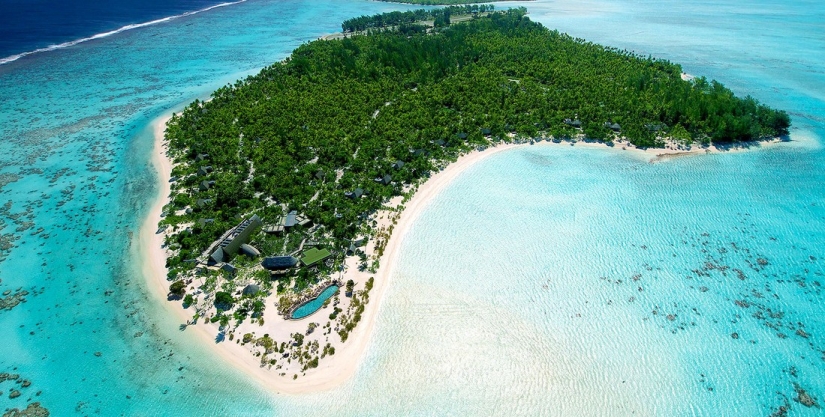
[[34, 24], [558, 281]]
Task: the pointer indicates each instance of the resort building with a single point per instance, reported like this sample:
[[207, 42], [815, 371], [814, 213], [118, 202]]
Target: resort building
[[249, 251], [206, 185], [229, 268], [574, 123], [313, 256], [398, 164], [355, 244], [357, 193], [251, 289], [385, 180], [230, 244], [279, 263], [287, 222], [204, 171], [656, 127], [613, 126]]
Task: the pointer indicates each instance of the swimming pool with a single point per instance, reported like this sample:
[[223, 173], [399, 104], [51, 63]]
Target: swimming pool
[[314, 304]]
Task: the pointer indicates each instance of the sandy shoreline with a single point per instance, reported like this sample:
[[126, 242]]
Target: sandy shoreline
[[337, 369]]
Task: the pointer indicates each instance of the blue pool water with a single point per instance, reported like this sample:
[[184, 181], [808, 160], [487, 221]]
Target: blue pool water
[[313, 305], [542, 315]]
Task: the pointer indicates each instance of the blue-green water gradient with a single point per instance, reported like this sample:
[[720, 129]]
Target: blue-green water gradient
[[544, 281]]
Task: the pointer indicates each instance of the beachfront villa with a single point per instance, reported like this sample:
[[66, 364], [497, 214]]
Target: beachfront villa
[[613, 126], [357, 193], [385, 180], [354, 245], [575, 123]]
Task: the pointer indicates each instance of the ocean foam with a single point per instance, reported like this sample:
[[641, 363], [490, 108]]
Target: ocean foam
[[68, 44]]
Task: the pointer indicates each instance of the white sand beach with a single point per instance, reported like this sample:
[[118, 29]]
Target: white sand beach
[[340, 367]]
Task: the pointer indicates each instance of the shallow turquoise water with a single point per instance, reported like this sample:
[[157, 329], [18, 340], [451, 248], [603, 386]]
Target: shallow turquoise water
[[543, 315], [313, 305]]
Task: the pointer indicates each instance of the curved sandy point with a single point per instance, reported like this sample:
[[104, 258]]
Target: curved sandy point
[[339, 368]]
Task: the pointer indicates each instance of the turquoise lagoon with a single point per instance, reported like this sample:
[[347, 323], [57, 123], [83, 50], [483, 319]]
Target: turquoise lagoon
[[549, 280]]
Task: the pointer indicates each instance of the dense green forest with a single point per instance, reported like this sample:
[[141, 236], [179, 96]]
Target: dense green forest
[[440, 17], [337, 114]]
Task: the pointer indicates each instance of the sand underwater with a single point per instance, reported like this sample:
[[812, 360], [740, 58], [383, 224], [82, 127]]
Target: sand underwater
[[544, 280]]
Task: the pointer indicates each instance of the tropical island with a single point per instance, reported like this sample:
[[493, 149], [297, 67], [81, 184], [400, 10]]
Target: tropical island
[[287, 186]]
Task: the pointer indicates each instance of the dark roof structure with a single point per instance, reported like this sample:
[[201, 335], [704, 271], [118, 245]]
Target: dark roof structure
[[288, 221], [204, 171], [240, 234], [575, 123], [229, 268], [656, 127], [202, 157], [486, 131], [251, 289], [249, 251], [613, 126], [398, 164], [217, 256], [386, 179], [462, 135], [205, 185], [357, 193], [279, 263]]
